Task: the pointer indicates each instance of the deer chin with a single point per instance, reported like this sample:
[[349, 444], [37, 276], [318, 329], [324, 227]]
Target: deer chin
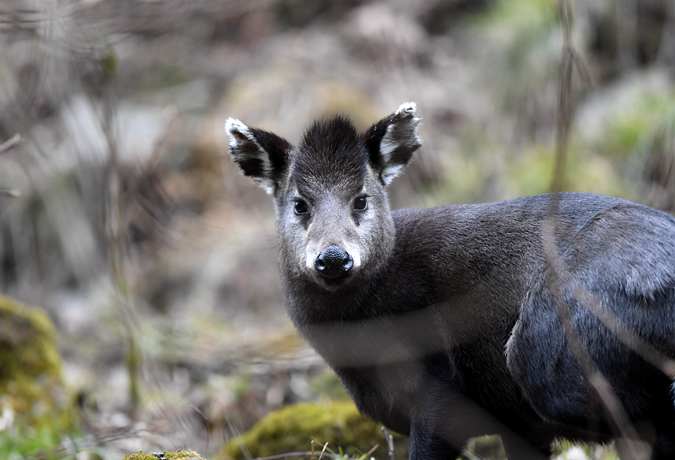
[[333, 285]]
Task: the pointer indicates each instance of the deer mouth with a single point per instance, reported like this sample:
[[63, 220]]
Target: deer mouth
[[334, 283]]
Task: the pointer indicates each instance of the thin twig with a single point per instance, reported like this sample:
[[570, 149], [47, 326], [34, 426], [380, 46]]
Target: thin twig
[[10, 192], [390, 443], [370, 452], [10, 143], [323, 451], [596, 379], [117, 240], [551, 250]]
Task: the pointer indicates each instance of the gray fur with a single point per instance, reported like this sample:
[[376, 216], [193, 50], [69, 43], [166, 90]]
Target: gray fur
[[450, 326]]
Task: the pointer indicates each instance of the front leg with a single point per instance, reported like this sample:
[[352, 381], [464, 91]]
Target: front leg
[[436, 428], [428, 443], [444, 420]]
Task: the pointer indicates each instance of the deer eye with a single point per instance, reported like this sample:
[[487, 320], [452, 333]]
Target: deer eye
[[300, 207], [361, 203]]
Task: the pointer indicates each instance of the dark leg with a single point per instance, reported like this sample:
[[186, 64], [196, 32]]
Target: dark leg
[[427, 445], [517, 450], [444, 422]]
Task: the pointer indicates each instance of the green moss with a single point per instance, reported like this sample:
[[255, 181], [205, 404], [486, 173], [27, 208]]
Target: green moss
[[306, 427], [30, 366], [37, 412], [178, 455]]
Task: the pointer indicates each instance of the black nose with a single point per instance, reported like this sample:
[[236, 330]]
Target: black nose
[[333, 262]]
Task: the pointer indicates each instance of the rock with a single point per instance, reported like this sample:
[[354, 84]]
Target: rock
[[178, 455], [30, 367], [306, 427]]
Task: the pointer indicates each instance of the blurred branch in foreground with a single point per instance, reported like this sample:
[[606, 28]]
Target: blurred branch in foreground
[[563, 275], [570, 61], [10, 143]]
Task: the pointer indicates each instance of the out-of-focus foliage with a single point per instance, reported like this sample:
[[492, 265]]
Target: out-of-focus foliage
[[533, 170], [46, 441], [327, 386], [121, 215], [623, 116]]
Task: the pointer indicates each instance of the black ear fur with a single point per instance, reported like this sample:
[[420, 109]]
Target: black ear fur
[[259, 154], [392, 141]]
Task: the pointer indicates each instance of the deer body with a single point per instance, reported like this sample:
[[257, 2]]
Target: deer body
[[448, 323]]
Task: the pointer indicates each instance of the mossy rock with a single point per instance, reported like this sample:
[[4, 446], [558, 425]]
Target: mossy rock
[[30, 366], [178, 455], [308, 427]]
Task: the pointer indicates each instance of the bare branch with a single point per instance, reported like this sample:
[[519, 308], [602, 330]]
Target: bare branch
[[10, 192], [10, 143], [391, 454], [551, 250]]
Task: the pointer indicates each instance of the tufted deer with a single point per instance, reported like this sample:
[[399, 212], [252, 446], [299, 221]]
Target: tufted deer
[[452, 322]]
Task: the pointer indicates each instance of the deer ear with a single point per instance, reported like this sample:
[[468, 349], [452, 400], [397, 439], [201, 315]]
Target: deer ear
[[260, 155], [392, 141]]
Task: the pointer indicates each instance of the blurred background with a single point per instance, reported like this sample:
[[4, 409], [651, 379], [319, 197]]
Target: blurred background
[[161, 321]]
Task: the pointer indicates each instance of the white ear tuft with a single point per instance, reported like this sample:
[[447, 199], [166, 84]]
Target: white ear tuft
[[237, 131], [247, 152], [409, 108], [234, 124], [393, 140], [401, 132]]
